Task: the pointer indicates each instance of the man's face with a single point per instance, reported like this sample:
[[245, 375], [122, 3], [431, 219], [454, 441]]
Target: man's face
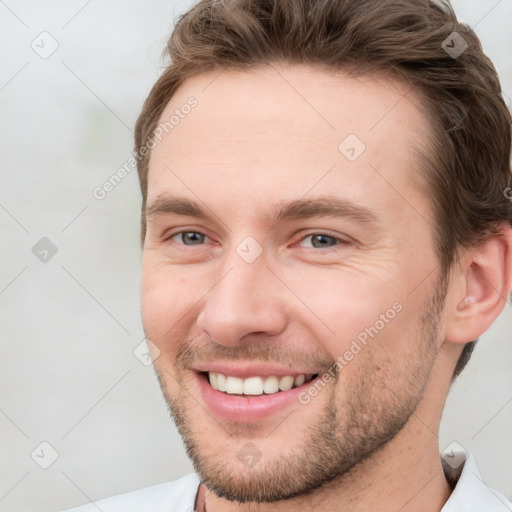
[[268, 286]]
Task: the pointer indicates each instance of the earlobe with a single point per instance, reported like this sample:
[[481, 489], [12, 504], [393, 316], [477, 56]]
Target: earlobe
[[487, 281]]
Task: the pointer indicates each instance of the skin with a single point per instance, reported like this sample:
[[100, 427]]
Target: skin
[[369, 440]]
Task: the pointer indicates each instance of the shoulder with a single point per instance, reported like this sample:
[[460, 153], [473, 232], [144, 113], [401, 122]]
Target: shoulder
[[178, 495]]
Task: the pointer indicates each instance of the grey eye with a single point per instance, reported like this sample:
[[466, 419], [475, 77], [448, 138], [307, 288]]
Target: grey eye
[[190, 237], [319, 241]]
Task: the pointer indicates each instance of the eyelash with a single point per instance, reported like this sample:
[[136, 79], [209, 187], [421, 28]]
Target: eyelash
[[340, 241]]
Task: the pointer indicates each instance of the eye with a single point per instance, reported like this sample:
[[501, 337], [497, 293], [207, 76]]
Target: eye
[[317, 240], [323, 240], [188, 238]]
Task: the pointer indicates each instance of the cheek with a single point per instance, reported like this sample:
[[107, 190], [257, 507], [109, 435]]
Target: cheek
[[166, 304], [362, 321], [343, 304], [161, 311]]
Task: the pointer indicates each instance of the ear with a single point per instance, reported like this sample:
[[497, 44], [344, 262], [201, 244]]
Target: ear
[[482, 282]]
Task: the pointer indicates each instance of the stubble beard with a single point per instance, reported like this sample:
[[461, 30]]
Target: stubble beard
[[330, 448]]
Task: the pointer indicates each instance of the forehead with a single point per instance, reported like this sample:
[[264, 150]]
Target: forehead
[[279, 130]]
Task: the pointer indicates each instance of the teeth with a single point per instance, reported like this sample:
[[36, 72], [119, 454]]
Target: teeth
[[221, 381], [254, 385], [299, 380], [234, 385], [286, 383], [213, 380], [271, 385]]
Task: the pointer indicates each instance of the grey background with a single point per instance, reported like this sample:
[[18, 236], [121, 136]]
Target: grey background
[[69, 326]]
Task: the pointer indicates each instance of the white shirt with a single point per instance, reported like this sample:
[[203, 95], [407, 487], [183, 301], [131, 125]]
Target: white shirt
[[469, 495]]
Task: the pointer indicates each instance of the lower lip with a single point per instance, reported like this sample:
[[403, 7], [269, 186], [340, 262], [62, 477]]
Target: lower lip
[[245, 409]]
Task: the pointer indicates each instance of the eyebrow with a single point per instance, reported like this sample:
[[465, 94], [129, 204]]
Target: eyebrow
[[324, 206]]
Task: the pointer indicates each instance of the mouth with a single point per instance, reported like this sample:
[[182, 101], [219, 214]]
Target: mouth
[[256, 385], [249, 398]]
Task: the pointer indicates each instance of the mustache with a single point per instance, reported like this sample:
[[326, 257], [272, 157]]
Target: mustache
[[196, 350]]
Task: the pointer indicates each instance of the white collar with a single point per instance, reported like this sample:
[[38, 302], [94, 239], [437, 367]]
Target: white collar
[[471, 494]]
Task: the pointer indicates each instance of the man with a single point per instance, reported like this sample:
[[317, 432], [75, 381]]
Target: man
[[326, 233]]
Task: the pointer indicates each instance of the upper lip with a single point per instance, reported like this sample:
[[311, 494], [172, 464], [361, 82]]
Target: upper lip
[[244, 370]]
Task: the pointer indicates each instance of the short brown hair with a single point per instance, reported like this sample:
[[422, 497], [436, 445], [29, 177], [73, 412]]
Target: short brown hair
[[467, 168]]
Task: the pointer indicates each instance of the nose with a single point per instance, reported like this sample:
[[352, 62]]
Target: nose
[[245, 300]]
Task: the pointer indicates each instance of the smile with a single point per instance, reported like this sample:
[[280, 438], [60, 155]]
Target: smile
[[249, 397], [256, 385]]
